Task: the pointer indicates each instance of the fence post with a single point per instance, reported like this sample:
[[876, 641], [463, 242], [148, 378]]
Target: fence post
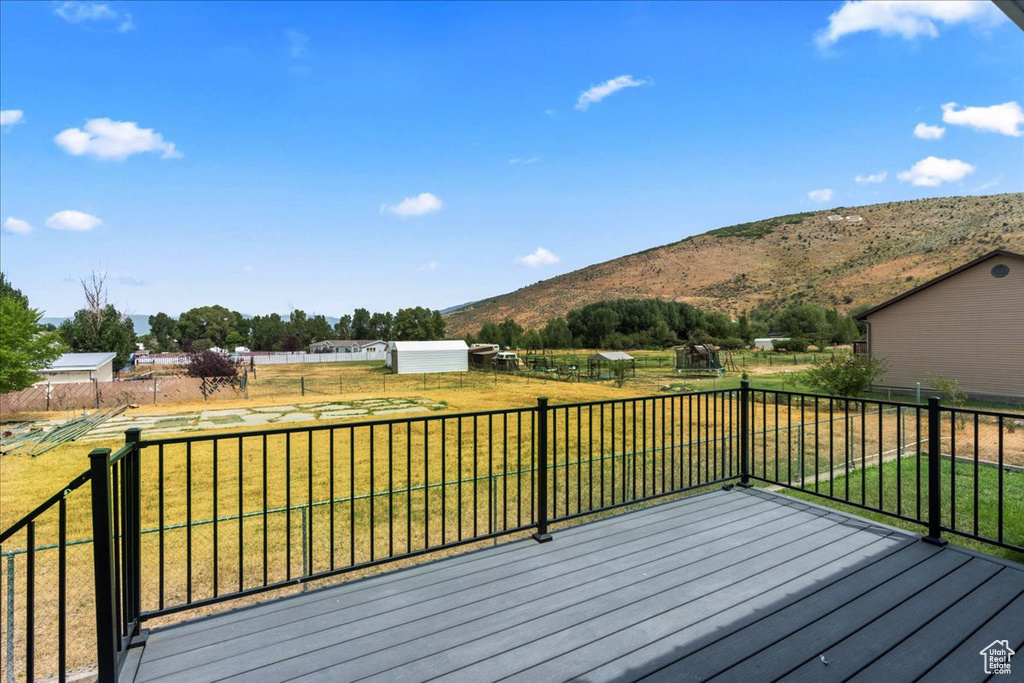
[[302, 383], [133, 436], [542, 535], [745, 434], [934, 464], [103, 565]]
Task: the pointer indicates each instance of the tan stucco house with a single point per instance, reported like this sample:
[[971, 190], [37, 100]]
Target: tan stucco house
[[966, 325]]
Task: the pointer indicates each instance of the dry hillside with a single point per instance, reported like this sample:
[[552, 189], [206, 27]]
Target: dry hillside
[[806, 256]]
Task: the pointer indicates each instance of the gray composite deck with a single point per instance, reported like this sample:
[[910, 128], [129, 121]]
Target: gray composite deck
[[738, 585]]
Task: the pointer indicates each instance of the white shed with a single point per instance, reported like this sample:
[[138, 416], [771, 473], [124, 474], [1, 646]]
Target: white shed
[[80, 367], [413, 357], [768, 343]]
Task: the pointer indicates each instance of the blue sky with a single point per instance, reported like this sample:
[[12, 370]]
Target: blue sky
[[328, 156]]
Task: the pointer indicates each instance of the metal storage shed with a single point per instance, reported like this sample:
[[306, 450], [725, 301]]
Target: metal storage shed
[[410, 357], [80, 367]]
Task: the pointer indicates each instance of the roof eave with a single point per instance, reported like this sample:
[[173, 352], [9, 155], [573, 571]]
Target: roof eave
[[934, 281]]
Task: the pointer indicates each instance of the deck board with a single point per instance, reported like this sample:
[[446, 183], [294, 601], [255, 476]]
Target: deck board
[[739, 585]]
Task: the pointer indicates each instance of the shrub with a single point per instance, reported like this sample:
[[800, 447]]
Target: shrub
[[215, 369], [844, 376], [620, 370]]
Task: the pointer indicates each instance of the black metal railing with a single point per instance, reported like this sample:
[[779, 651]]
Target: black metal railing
[[941, 467], [188, 522]]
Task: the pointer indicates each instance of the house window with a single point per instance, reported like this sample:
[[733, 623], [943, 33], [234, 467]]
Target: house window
[[1001, 270]]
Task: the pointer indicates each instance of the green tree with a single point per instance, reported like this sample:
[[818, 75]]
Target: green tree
[[343, 328], [511, 332], [208, 322], [163, 332], [490, 333], [318, 329], [361, 324], [24, 347], [556, 334], [106, 330], [532, 340], [7, 289], [99, 327], [382, 325], [268, 332], [844, 376]]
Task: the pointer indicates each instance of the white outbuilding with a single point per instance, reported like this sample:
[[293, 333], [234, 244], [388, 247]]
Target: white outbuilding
[[769, 343], [413, 357], [79, 367]]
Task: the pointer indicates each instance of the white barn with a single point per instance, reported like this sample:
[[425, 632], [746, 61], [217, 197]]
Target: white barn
[[79, 367], [414, 357]]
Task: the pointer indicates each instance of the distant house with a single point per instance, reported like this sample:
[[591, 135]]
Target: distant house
[[348, 346], [413, 357], [966, 325], [80, 367]]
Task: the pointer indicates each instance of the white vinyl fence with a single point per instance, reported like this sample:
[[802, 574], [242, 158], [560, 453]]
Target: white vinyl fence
[[275, 358]]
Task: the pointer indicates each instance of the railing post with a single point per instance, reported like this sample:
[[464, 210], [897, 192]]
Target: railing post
[[934, 479], [542, 535], [745, 434], [133, 436], [103, 565]]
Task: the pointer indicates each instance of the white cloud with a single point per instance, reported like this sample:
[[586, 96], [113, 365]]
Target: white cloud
[[298, 43], [612, 85], [540, 257], [872, 177], [79, 11], [926, 132], [11, 117], [428, 267], [73, 220], [107, 139], [1005, 119], [908, 19], [419, 205], [12, 224], [933, 171], [822, 195], [523, 160]]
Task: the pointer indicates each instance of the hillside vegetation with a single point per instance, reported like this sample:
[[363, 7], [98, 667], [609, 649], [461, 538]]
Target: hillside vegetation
[[801, 257]]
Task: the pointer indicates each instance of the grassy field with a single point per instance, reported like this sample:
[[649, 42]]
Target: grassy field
[[960, 517]]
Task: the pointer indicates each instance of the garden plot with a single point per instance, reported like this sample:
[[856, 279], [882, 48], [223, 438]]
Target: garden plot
[[153, 425]]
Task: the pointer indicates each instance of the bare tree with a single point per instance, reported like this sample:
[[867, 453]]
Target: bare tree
[[95, 289]]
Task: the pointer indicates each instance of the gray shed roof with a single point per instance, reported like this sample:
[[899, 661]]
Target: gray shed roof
[[611, 356], [70, 362]]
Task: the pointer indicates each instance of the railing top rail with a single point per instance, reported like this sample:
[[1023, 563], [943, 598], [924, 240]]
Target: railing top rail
[[164, 441], [326, 426], [121, 452], [856, 399], [44, 506], [986, 413], [652, 397]]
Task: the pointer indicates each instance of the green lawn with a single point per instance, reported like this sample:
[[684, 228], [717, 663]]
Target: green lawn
[[987, 508]]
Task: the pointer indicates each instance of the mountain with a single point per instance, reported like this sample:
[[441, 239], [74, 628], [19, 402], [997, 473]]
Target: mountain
[[841, 257]]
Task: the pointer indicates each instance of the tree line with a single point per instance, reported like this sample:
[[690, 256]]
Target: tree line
[[653, 323], [206, 327]]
